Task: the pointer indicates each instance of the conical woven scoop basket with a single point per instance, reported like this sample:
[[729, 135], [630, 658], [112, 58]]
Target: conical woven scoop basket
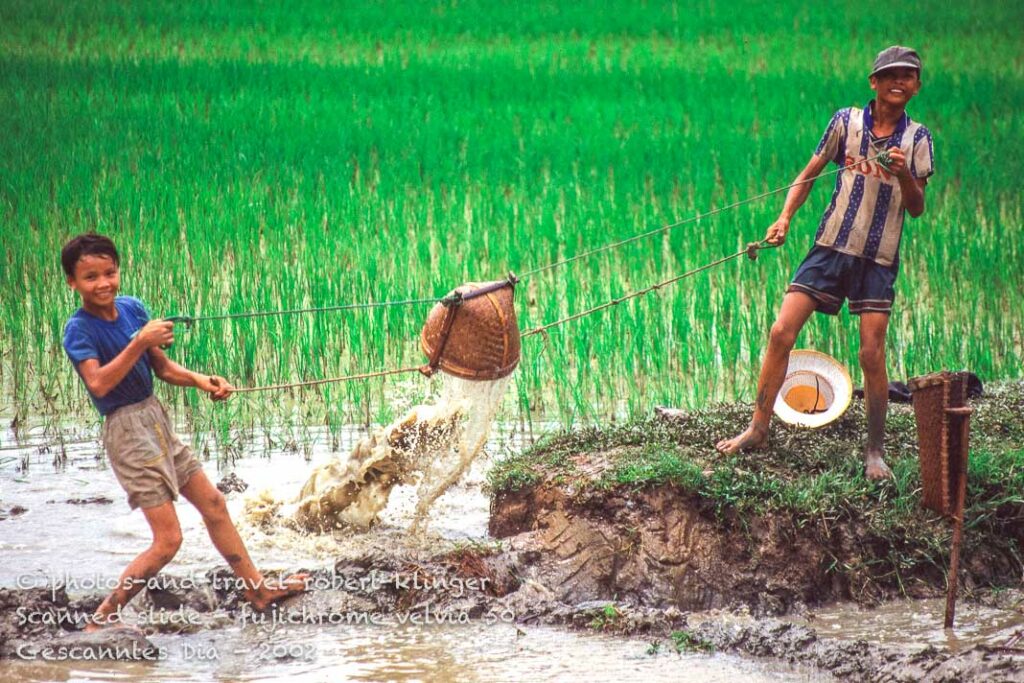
[[473, 333]]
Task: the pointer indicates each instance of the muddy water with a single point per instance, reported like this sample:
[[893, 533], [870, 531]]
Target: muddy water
[[56, 536], [85, 545], [434, 444], [918, 622], [472, 653]]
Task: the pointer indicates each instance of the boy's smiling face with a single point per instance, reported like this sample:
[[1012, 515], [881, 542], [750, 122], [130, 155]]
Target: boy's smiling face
[[897, 85], [97, 279]]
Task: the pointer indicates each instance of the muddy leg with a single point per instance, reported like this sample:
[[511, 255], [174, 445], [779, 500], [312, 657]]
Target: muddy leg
[[163, 522], [873, 328], [796, 309], [211, 505]]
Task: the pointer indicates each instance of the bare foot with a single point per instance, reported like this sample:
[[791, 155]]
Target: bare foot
[[753, 436], [875, 468], [272, 591]]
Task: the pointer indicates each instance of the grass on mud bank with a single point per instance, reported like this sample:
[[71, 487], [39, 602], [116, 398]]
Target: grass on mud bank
[[814, 476]]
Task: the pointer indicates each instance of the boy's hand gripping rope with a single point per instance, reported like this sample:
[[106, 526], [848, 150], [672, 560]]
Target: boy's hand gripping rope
[[174, 320]]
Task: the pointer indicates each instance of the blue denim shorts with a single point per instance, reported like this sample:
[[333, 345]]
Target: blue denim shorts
[[829, 277]]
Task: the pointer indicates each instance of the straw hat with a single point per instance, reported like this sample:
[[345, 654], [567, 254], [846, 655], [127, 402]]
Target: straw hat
[[817, 390]]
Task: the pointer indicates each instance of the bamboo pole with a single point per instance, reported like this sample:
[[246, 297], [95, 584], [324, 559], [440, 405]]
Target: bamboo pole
[[962, 415]]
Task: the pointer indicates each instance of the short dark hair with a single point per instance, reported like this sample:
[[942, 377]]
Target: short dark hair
[[86, 244]]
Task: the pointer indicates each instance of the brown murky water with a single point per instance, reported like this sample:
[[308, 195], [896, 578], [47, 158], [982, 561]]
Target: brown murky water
[[433, 445], [87, 545], [918, 622]]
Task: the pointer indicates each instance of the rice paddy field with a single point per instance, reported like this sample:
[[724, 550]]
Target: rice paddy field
[[254, 157]]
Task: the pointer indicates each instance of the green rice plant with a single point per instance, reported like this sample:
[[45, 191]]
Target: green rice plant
[[250, 159]]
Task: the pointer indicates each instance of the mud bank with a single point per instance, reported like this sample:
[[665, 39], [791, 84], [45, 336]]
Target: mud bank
[[858, 660], [664, 546], [649, 512]]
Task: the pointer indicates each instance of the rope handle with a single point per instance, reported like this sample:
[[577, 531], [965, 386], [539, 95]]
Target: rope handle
[[186, 320], [884, 159], [754, 247]]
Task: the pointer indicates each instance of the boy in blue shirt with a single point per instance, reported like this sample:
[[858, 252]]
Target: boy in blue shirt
[[115, 349]]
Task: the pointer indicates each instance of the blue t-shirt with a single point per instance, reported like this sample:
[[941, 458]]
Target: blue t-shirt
[[86, 336]]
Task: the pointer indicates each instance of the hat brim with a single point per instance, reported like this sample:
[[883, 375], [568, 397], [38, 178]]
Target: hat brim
[[895, 65], [825, 373]]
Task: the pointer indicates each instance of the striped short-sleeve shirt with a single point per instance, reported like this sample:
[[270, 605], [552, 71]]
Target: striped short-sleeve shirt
[[865, 216]]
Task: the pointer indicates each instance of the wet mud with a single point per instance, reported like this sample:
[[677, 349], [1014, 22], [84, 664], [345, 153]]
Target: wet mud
[[661, 546], [380, 585]]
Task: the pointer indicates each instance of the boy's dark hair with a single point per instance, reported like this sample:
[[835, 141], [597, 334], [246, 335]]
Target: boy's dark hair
[[86, 244]]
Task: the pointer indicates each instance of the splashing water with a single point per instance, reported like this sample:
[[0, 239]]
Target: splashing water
[[434, 443]]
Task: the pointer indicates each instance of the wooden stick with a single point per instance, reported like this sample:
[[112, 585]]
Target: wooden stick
[[962, 415]]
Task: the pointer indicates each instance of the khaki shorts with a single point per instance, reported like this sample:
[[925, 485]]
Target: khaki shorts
[[148, 458]]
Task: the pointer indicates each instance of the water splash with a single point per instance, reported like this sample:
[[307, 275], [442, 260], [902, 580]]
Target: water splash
[[432, 444]]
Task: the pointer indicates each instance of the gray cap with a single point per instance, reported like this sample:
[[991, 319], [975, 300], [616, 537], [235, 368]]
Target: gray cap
[[894, 56]]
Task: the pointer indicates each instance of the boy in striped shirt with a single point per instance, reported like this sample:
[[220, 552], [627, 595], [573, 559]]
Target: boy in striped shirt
[[856, 249]]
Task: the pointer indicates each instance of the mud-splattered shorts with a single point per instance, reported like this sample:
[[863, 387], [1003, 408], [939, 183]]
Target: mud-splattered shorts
[[148, 458]]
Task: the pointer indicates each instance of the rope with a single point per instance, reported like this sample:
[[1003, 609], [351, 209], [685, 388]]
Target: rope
[[883, 158], [189, 319], [750, 250], [314, 382]]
